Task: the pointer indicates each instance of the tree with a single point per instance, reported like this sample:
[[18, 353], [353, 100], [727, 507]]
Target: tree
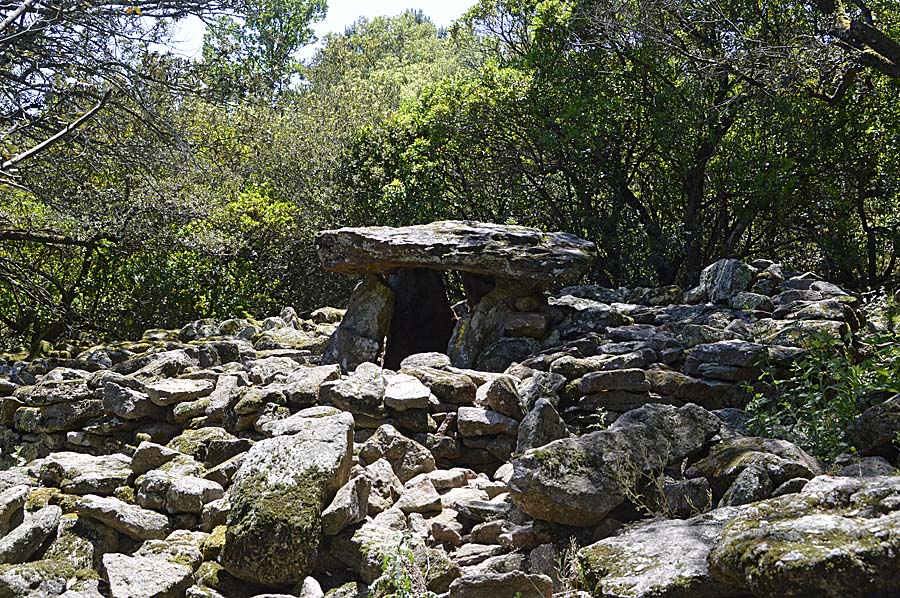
[[256, 55], [62, 62]]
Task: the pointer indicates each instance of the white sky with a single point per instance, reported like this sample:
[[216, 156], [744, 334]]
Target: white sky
[[341, 13]]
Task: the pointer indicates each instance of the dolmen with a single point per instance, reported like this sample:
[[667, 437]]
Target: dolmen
[[401, 307]]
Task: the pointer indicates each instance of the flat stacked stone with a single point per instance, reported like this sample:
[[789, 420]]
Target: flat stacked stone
[[495, 250]]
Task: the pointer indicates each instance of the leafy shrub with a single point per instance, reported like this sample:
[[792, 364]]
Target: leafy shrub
[[829, 386]]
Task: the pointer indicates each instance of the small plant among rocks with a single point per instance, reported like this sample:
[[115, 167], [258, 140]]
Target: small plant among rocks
[[830, 386], [402, 576]]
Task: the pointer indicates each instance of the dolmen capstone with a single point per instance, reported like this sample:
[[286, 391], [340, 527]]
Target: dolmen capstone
[[401, 306]]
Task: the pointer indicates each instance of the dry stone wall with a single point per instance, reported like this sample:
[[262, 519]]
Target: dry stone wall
[[231, 459]]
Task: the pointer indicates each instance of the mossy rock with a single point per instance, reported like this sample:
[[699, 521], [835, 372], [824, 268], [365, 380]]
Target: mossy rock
[[213, 544]]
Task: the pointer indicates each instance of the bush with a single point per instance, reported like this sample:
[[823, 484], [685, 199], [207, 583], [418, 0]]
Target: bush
[[829, 386]]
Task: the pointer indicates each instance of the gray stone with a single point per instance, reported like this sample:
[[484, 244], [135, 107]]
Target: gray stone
[[385, 486], [780, 460], [175, 493], [349, 506], [407, 457], [301, 387], [267, 370], [277, 499], [149, 455], [512, 252], [502, 396], [360, 336], [20, 544], [77, 473], [177, 390], [131, 520], [310, 588], [449, 387], [480, 328], [664, 558], [579, 481], [51, 392], [474, 421], [362, 393], [515, 584], [868, 467], [129, 404], [406, 392], [682, 498], [751, 301], [735, 353], [632, 380], [57, 417], [47, 578], [725, 278], [835, 539], [431, 360], [541, 426], [12, 503], [875, 431], [751, 484], [146, 577], [419, 496]]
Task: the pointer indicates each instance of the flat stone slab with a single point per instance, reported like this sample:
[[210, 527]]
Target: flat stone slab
[[513, 252]]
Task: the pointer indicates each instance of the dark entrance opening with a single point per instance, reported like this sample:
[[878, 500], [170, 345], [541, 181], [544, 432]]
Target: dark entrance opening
[[422, 321]]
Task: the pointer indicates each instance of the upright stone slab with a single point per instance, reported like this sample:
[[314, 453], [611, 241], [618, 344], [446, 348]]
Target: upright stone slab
[[360, 335], [277, 499]]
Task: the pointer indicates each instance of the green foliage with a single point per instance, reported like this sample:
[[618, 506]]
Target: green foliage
[[825, 390], [254, 56], [401, 575]]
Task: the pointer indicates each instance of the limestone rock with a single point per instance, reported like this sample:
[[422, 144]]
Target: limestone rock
[[579, 481], [360, 336], [779, 459], [837, 538], [502, 396], [725, 278], [21, 543], [406, 392], [349, 506], [131, 520], [278, 497], [512, 252], [362, 393], [77, 473], [146, 577], [407, 457], [541, 426], [474, 421], [129, 404], [660, 558], [515, 584], [46, 578], [177, 390], [12, 501]]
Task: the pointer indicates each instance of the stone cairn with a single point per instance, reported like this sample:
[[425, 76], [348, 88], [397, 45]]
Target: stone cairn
[[489, 449]]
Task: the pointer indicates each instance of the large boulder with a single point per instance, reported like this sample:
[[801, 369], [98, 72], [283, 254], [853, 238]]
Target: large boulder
[[725, 278], [495, 250], [776, 460], [360, 336], [837, 538], [660, 558], [277, 499], [578, 481], [875, 431]]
